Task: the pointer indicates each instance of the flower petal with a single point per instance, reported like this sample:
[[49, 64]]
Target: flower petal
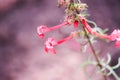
[[115, 35], [117, 44], [41, 30], [50, 49], [41, 36], [49, 45], [87, 26]]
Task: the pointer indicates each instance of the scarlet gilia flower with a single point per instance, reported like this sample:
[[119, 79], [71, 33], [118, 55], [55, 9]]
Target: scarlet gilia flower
[[91, 31], [51, 43], [115, 35], [41, 30], [87, 26]]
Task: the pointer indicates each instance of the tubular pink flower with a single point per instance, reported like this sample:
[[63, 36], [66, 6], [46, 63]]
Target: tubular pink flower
[[91, 31], [87, 26], [115, 35], [41, 30], [51, 43]]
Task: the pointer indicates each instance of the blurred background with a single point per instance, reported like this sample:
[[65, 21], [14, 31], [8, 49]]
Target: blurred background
[[22, 55]]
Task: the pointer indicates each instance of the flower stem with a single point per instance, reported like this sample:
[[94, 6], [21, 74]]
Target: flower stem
[[90, 43], [94, 53]]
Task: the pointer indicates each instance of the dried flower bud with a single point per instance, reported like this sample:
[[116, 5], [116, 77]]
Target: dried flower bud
[[61, 3], [81, 7]]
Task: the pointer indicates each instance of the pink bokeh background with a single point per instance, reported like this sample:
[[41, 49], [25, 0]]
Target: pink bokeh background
[[22, 55]]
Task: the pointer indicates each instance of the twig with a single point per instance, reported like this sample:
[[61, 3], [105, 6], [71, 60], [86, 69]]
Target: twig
[[93, 51]]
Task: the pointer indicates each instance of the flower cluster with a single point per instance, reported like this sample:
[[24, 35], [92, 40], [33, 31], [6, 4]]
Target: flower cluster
[[74, 16], [51, 42]]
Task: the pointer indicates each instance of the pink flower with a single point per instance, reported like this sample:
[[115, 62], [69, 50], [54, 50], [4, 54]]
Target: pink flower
[[91, 31], [51, 43], [87, 26], [75, 24], [115, 35], [41, 30]]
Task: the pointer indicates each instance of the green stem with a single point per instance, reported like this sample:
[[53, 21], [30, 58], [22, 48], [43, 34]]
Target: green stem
[[93, 51], [90, 43]]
